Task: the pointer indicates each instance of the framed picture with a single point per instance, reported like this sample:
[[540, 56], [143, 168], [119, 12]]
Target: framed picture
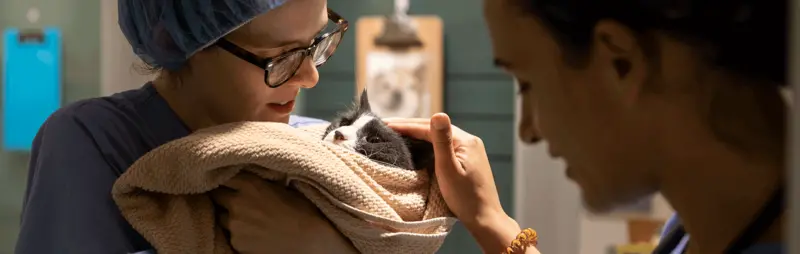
[[396, 84], [401, 82]]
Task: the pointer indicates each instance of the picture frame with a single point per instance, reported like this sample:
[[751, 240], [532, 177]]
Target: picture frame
[[401, 82]]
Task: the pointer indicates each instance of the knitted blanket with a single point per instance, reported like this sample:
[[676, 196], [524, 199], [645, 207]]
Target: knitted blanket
[[380, 209]]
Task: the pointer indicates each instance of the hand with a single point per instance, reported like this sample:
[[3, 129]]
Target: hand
[[265, 217], [465, 179]]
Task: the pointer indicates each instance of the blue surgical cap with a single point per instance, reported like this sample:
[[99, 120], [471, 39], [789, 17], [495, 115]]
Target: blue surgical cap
[[164, 33]]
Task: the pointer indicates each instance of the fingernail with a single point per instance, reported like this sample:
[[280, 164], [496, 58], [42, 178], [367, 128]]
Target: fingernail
[[439, 124]]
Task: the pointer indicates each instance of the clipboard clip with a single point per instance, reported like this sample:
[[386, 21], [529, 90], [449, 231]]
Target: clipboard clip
[[398, 31], [31, 36]]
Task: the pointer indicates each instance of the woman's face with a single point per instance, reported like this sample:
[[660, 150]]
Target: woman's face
[[231, 89], [594, 116]]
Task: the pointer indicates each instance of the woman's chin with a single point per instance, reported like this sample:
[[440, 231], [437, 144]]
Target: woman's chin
[[275, 118], [594, 204]]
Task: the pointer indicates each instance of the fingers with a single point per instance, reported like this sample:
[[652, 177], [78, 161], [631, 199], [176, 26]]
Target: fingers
[[242, 186], [414, 130], [441, 135], [242, 180], [224, 219], [223, 196], [389, 120], [418, 128], [438, 130], [441, 131]]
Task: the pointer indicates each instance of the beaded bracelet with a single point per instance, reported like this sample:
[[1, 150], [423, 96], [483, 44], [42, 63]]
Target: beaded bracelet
[[527, 237]]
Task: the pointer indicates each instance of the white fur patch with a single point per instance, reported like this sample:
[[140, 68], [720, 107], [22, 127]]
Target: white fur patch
[[349, 132]]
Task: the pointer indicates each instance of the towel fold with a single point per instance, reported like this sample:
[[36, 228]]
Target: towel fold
[[380, 209]]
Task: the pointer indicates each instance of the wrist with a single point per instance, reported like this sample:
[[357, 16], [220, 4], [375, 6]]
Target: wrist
[[493, 231]]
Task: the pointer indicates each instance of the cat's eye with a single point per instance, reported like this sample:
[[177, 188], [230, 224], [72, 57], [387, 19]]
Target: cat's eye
[[374, 139]]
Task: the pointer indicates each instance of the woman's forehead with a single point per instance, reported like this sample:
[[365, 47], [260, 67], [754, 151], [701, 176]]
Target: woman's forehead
[[296, 22], [515, 35]]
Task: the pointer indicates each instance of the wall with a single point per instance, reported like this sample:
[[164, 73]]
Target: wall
[[79, 21], [478, 96], [116, 56]]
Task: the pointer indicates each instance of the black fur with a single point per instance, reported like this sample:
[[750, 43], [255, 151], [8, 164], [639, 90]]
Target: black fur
[[380, 143]]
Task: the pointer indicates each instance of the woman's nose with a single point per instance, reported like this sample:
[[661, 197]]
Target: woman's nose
[[529, 134], [528, 125], [307, 75]]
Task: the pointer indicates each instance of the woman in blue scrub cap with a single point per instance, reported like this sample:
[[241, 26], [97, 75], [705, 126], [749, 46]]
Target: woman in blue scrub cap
[[218, 61]]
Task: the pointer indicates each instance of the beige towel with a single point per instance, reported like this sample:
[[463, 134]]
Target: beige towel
[[380, 209]]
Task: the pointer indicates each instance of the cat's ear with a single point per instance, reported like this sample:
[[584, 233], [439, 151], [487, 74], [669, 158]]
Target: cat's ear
[[363, 102]]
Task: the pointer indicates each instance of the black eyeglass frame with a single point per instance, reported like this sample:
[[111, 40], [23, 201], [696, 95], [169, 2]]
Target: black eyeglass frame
[[267, 63]]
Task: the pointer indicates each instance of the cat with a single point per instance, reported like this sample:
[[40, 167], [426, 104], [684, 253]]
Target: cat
[[360, 130]]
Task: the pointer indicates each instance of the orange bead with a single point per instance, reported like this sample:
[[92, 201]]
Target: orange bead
[[526, 237]]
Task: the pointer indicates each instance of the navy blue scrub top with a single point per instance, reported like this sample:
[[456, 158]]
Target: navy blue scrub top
[[77, 155]]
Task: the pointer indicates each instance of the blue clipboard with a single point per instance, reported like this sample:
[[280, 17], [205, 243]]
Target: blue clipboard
[[31, 83]]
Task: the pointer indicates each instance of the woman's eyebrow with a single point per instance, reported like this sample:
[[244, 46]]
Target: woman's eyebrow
[[285, 43]]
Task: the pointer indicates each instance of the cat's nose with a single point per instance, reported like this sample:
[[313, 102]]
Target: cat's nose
[[338, 136]]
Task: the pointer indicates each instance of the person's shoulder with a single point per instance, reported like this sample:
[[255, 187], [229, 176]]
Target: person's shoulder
[[77, 113], [104, 128], [100, 113], [92, 123]]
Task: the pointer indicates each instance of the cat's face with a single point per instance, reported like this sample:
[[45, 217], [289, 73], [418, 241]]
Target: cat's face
[[361, 131]]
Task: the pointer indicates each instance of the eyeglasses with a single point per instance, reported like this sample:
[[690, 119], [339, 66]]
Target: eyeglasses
[[279, 69]]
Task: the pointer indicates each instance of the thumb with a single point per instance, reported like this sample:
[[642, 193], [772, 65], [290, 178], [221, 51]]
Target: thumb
[[442, 140]]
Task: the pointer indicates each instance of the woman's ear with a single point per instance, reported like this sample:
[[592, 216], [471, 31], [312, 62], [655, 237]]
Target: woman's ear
[[619, 53]]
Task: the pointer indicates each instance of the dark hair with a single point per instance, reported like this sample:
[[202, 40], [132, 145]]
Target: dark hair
[[745, 37], [142, 68]]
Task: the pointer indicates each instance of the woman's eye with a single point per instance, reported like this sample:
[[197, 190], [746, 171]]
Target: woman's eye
[[374, 139]]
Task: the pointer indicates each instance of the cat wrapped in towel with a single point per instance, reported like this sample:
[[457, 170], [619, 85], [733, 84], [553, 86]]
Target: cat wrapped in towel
[[360, 130], [377, 188]]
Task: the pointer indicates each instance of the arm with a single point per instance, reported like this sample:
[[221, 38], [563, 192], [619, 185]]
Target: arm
[[68, 206], [465, 179]]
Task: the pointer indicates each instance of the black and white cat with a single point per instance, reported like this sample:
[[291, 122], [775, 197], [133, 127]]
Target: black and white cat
[[360, 130]]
